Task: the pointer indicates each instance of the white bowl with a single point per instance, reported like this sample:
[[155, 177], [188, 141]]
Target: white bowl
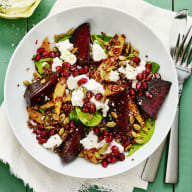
[[102, 19]]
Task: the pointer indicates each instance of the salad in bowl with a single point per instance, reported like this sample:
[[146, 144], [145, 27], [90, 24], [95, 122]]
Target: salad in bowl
[[93, 97]]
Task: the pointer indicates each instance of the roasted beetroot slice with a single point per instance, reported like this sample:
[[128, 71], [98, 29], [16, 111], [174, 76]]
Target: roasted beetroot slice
[[119, 104], [71, 147], [37, 89], [81, 40], [159, 90]]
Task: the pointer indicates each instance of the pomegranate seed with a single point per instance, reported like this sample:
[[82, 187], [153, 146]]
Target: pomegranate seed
[[117, 136], [45, 54], [144, 74], [73, 68], [139, 76], [88, 105], [35, 131], [66, 65], [57, 54], [108, 139], [126, 143], [110, 134], [121, 157], [149, 95], [72, 124], [114, 148], [100, 138], [52, 132], [38, 56], [38, 131], [129, 83], [108, 159], [41, 141], [86, 100], [40, 126], [75, 73], [113, 159], [38, 137], [157, 76], [149, 77], [86, 69], [89, 94], [43, 133], [115, 153], [81, 70], [59, 68], [136, 60], [36, 42], [105, 133], [148, 70], [65, 74], [144, 85], [40, 50], [132, 92], [98, 96], [104, 163], [52, 54], [85, 109], [92, 108], [140, 93], [148, 66], [138, 85], [96, 130], [82, 81]]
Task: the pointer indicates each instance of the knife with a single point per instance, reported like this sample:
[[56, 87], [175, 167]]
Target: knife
[[172, 168], [177, 29]]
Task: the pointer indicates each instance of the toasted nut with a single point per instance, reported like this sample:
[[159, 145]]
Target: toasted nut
[[80, 155], [26, 83], [128, 147], [55, 116], [137, 127], [139, 141], [70, 31], [117, 140], [114, 115], [66, 121], [50, 127], [139, 135], [43, 81], [131, 119], [36, 75], [98, 155], [68, 97], [102, 129], [134, 134], [122, 58], [62, 117], [111, 124], [104, 148], [74, 50], [61, 131], [55, 49], [64, 135]]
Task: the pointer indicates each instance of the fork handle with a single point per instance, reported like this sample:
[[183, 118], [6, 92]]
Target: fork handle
[[172, 169]]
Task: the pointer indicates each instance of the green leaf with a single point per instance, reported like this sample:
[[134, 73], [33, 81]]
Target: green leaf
[[130, 56], [42, 110], [73, 116], [89, 119], [39, 65], [150, 126], [154, 67], [95, 37], [105, 38], [65, 37]]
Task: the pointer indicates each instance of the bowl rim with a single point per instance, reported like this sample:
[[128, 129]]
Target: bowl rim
[[60, 13]]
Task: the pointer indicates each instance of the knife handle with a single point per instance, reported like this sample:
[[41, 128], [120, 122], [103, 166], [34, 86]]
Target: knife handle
[[172, 169]]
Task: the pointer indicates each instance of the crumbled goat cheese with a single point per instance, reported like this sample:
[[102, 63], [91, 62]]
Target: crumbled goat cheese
[[94, 86], [65, 45], [72, 81], [98, 52], [113, 76], [56, 62], [53, 142], [131, 72], [77, 97], [99, 105]]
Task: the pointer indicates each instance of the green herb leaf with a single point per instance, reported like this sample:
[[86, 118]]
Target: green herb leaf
[[89, 119], [150, 126], [65, 37], [154, 67], [73, 116], [105, 38], [39, 65], [130, 56], [42, 110]]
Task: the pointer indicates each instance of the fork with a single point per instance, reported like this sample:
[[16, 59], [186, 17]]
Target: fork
[[181, 58]]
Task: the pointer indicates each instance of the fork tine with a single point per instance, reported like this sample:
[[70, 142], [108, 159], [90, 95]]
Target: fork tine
[[175, 51], [180, 49], [188, 59]]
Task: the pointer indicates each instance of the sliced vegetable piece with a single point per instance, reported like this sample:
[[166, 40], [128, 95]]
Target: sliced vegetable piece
[[81, 40], [46, 45], [35, 115], [105, 38], [89, 119], [47, 105], [58, 94], [150, 126], [65, 37]]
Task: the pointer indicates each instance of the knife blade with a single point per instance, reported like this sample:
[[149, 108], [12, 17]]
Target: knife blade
[[177, 29], [172, 168]]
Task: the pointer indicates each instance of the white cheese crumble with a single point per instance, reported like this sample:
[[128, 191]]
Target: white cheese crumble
[[113, 76], [56, 62], [77, 97], [131, 72], [99, 105], [94, 86], [65, 47], [72, 81], [52, 142], [98, 52]]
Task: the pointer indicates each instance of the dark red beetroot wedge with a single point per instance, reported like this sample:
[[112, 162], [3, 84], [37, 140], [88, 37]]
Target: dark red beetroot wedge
[[81, 40], [119, 104], [159, 90], [71, 147], [35, 90]]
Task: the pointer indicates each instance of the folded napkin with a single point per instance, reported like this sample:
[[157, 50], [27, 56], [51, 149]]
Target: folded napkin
[[42, 179]]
